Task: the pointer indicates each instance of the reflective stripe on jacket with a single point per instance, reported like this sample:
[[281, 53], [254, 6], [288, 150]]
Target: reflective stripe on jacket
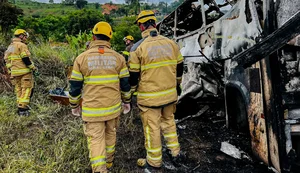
[[156, 58], [13, 58], [101, 71]]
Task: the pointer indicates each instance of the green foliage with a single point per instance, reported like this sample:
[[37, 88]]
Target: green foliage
[[57, 27], [8, 16], [123, 28], [82, 20], [78, 43], [68, 2], [81, 3], [97, 5]]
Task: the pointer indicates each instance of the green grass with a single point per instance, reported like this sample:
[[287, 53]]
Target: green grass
[[50, 140]]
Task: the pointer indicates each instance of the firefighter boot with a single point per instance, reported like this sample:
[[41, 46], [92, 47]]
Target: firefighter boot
[[177, 160], [109, 165], [23, 112], [146, 166]]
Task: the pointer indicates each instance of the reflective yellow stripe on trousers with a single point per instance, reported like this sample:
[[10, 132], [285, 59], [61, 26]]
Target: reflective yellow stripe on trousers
[[97, 161], [170, 135], [14, 57], [157, 94], [150, 150], [25, 99], [110, 149], [20, 71], [96, 112], [101, 79]]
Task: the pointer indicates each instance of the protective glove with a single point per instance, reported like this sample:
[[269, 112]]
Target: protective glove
[[76, 111], [36, 73], [126, 108], [178, 90]]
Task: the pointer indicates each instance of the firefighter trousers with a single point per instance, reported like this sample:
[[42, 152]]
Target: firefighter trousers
[[23, 88], [155, 121], [101, 137]]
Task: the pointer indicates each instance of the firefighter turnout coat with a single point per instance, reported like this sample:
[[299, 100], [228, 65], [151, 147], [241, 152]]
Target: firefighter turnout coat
[[20, 67], [153, 64], [98, 76]]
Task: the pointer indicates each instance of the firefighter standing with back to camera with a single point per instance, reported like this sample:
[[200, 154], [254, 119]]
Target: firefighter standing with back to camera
[[156, 67], [21, 69], [100, 77]]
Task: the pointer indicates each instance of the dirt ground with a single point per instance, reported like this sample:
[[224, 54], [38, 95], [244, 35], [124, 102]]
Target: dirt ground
[[200, 139]]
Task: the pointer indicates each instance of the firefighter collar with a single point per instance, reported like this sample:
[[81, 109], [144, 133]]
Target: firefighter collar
[[16, 40], [97, 43], [146, 33]]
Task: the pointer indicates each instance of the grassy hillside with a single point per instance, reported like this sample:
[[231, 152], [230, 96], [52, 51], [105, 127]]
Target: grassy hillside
[[37, 9]]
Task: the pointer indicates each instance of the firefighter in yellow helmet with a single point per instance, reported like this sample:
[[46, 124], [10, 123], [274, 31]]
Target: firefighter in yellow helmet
[[156, 68], [129, 43], [100, 78], [21, 69]]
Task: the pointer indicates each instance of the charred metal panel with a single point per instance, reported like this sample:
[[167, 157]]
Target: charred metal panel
[[254, 78], [290, 82], [233, 33], [257, 122]]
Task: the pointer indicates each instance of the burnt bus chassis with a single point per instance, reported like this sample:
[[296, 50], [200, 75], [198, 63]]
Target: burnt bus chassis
[[267, 80]]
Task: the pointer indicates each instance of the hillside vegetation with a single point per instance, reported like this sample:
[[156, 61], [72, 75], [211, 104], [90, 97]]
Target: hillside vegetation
[[51, 139]]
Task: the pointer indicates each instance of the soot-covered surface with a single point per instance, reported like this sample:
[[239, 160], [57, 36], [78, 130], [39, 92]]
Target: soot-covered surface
[[200, 139]]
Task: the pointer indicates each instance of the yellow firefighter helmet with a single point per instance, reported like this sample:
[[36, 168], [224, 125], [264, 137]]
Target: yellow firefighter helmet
[[103, 28], [128, 37], [21, 31], [144, 16]]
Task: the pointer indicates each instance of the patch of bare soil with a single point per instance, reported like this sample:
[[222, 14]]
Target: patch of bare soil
[[200, 139]]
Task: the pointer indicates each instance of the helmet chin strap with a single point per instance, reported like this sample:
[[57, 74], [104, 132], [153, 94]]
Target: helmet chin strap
[[146, 25], [142, 27]]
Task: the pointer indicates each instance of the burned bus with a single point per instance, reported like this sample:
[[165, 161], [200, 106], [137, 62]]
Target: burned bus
[[261, 98]]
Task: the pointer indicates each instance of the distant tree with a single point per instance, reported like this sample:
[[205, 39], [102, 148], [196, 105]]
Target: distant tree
[[8, 15], [81, 3], [51, 1], [68, 2], [162, 6], [121, 12], [135, 4], [97, 5], [147, 7]]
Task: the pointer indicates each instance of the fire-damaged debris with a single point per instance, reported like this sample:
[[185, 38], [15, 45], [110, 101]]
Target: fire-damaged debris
[[202, 111], [245, 62], [271, 43], [200, 86], [188, 17], [234, 152]]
